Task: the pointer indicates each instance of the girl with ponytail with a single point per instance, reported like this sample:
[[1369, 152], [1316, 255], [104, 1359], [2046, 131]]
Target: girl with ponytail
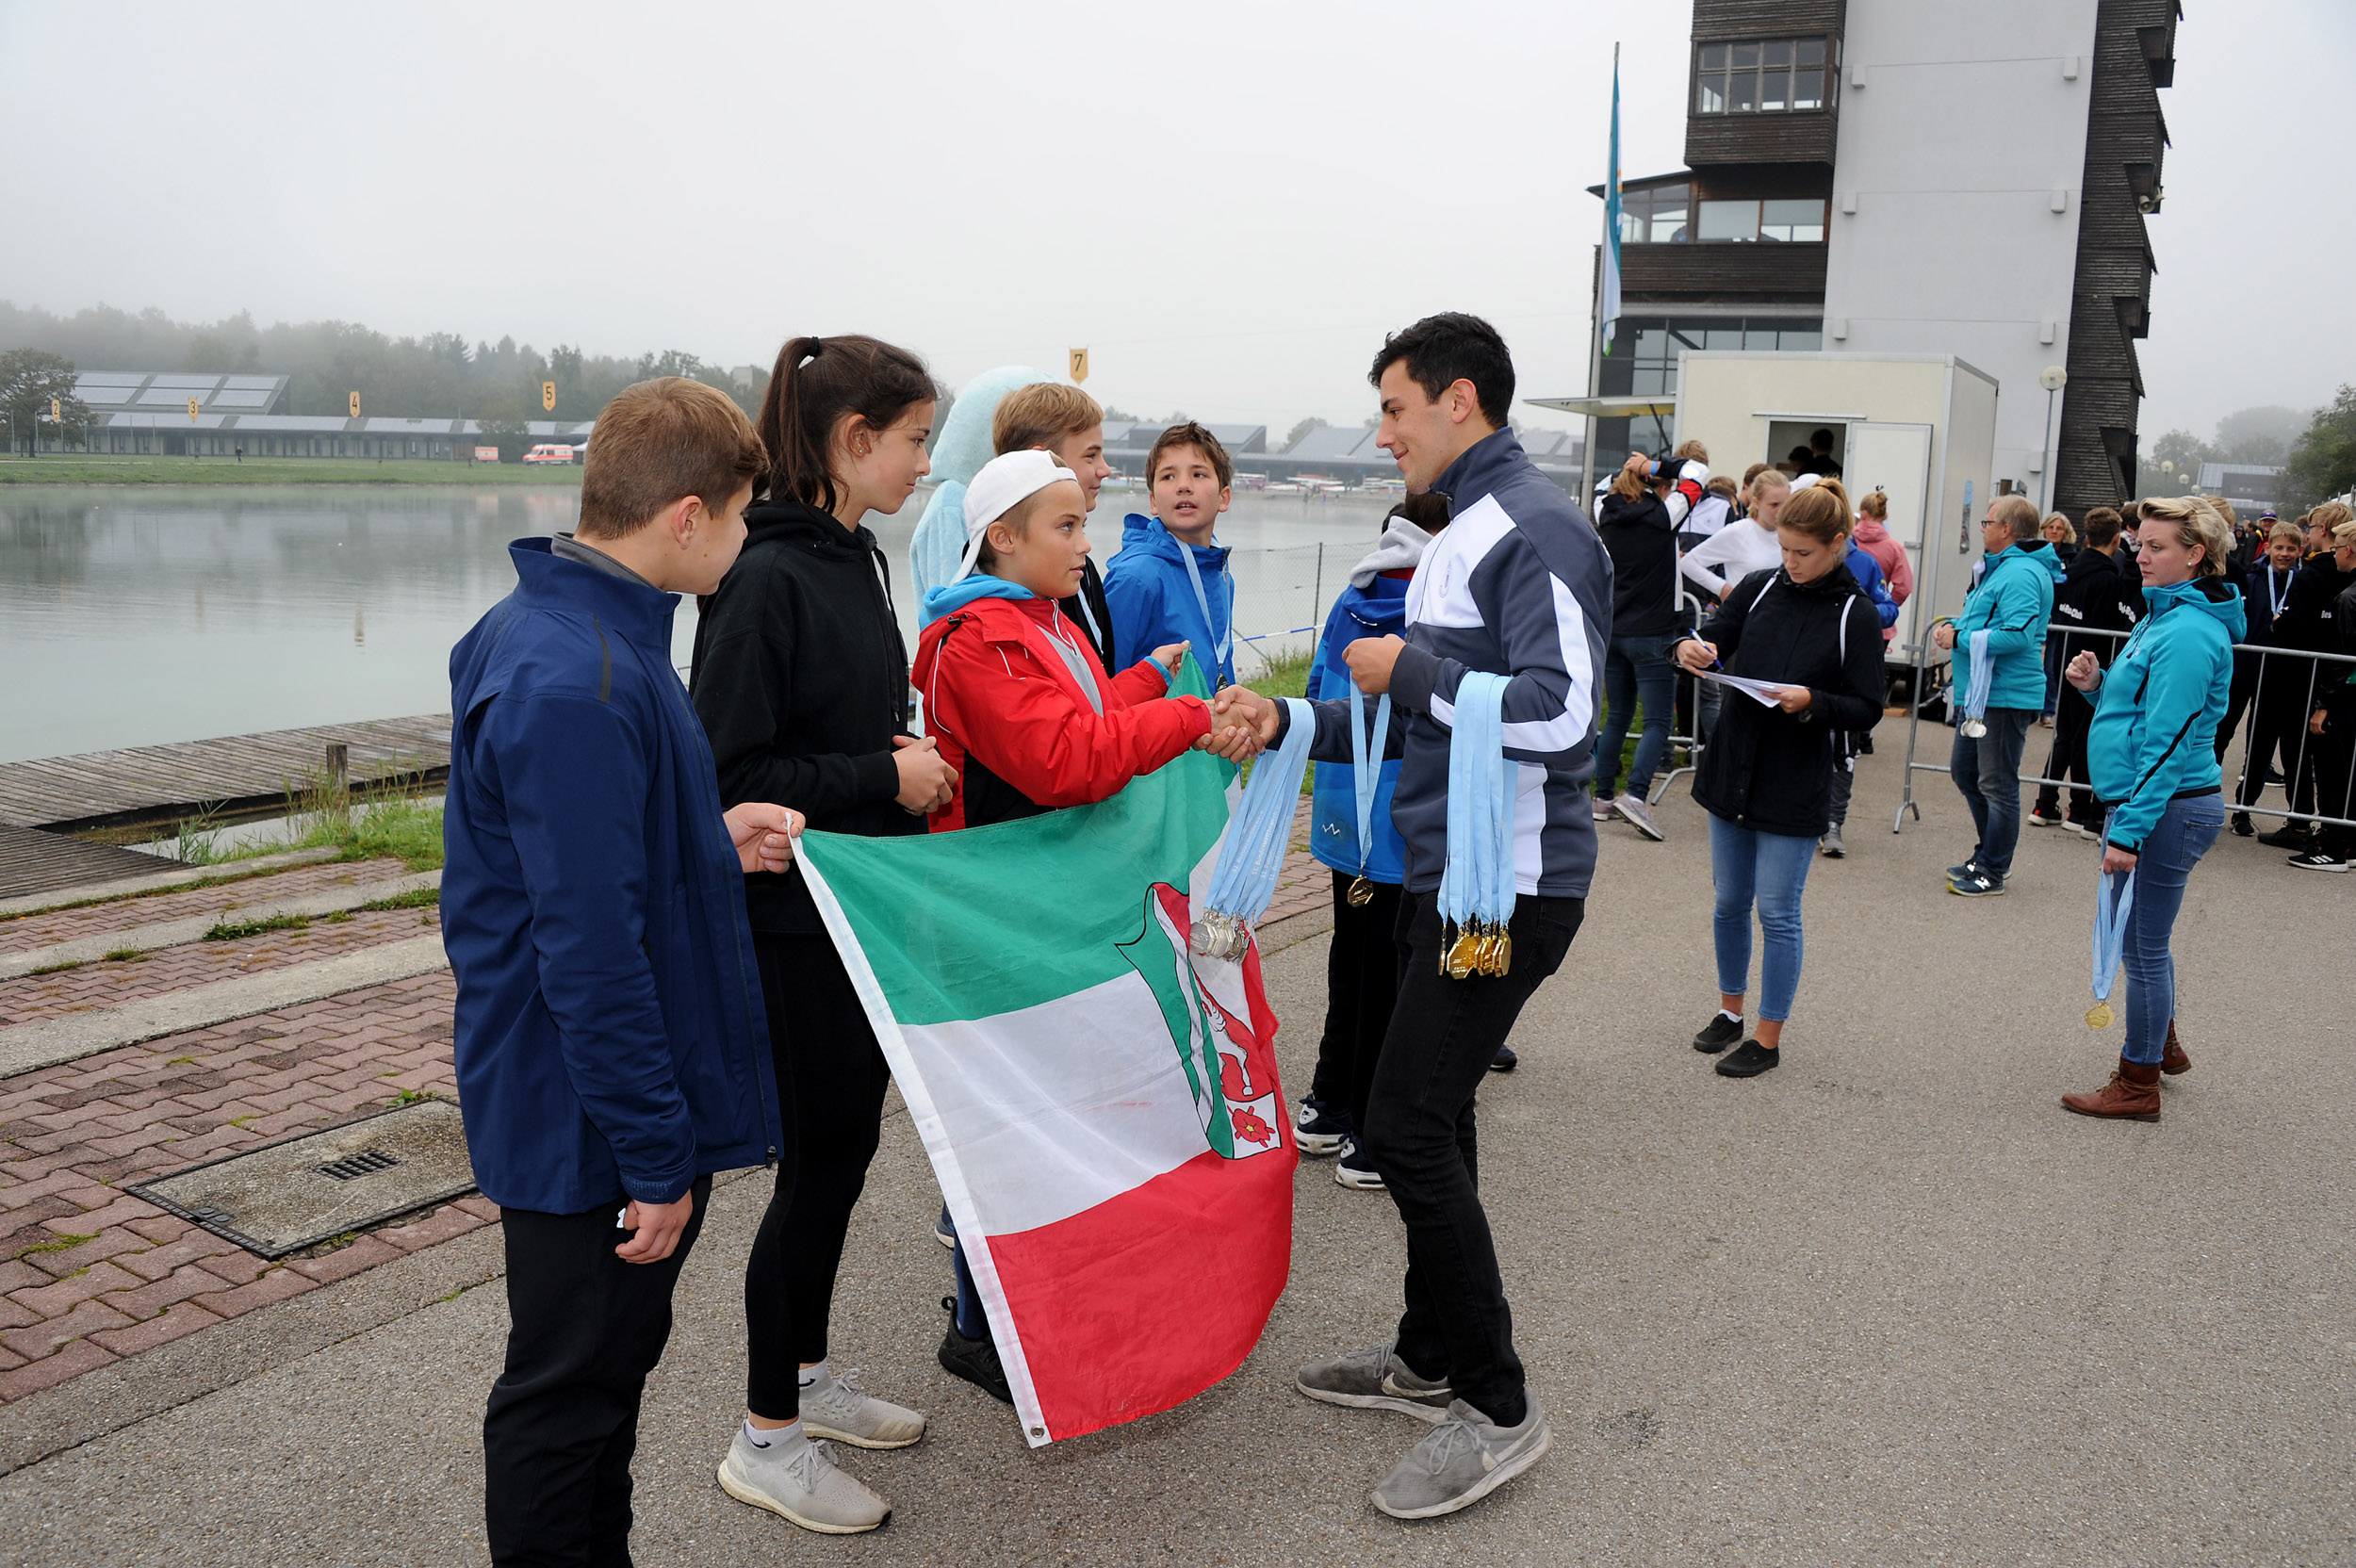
[[801, 677]]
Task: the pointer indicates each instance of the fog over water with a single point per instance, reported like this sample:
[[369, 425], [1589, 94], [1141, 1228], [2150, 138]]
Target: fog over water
[[133, 616]]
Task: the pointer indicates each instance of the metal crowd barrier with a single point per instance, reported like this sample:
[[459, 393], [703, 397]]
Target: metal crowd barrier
[[2247, 721]]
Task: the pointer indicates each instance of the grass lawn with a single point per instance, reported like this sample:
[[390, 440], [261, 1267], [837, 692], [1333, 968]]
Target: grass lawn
[[51, 470]]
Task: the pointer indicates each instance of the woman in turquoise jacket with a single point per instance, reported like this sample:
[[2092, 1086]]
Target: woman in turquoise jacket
[[2152, 756]]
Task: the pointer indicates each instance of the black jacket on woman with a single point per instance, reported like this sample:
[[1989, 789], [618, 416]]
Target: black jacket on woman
[[1764, 768], [1641, 542], [802, 680]]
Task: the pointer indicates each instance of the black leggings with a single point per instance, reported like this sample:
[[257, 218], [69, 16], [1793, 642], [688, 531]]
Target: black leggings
[[1361, 987], [830, 1090]]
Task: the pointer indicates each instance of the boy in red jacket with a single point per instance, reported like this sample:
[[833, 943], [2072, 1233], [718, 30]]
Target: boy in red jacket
[[1023, 709]]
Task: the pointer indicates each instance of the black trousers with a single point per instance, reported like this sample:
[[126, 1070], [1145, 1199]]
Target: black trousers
[[1420, 1132], [1361, 988], [2279, 740], [2245, 687], [831, 1078], [585, 1328], [2073, 716]]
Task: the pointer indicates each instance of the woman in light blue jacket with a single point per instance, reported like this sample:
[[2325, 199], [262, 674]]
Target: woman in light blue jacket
[[2152, 756]]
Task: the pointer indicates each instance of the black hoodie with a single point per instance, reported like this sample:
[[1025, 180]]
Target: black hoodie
[[1641, 539], [2091, 596], [802, 680], [1764, 768]]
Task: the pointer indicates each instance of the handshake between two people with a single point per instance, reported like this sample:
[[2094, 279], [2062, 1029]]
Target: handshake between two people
[[1244, 723]]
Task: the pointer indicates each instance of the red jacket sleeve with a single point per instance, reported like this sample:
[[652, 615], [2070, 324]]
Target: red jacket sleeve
[[1142, 681], [1010, 714]]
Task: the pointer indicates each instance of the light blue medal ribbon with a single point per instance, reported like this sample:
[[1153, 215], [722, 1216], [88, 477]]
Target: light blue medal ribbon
[[1225, 666], [2110, 939], [1258, 837], [1477, 883], [1975, 700], [1365, 768]]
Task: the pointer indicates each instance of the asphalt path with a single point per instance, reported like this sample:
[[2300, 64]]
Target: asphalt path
[[1887, 1303]]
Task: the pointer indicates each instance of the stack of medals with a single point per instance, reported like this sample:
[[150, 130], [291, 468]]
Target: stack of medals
[[1476, 890], [1366, 746], [1253, 854], [2110, 935]]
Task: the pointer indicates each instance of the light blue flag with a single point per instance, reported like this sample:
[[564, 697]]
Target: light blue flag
[[1608, 311]]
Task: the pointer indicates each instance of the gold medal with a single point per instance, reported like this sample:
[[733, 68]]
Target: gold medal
[[2100, 1016], [1505, 952], [1460, 955], [1361, 893]]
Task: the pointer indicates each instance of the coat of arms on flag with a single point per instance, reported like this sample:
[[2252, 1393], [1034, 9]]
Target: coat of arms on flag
[[1100, 1103]]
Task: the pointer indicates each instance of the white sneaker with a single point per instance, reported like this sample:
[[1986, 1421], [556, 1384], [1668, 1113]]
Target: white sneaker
[[1633, 807], [842, 1408], [795, 1477], [1352, 1170], [1603, 810]]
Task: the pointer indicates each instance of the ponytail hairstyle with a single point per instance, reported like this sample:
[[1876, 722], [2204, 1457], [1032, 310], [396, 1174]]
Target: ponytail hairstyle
[[1629, 485], [1874, 504], [1820, 512], [817, 380]]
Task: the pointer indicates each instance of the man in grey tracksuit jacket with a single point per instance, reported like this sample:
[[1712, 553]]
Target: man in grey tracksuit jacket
[[1520, 585]]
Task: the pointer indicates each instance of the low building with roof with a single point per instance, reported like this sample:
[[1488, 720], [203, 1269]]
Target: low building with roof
[[2252, 487], [186, 414]]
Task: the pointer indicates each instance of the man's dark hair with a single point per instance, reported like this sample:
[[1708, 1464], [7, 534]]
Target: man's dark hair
[[1443, 350], [2101, 527], [1820, 441], [1427, 510]]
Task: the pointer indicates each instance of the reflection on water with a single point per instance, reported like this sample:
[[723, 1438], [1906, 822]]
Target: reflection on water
[[130, 616]]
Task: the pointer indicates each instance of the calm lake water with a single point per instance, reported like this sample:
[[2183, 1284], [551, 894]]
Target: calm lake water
[[130, 616]]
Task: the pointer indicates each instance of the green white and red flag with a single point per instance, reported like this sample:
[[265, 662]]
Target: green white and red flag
[[1100, 1103]]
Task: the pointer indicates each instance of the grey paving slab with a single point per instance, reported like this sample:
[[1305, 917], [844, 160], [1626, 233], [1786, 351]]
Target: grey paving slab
[[175, 876], [28, 1046], [1886, 1304], [175, 933]]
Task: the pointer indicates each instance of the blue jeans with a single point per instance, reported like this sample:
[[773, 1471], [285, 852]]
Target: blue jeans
[[1635, 669], [2182, 835], [1987, 772], [1769, 869]]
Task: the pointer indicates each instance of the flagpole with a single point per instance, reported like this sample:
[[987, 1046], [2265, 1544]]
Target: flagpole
[[1605, 255]]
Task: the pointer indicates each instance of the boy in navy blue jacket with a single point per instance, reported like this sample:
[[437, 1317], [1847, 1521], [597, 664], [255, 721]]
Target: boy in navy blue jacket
[[1168, 582], [610, 1042]]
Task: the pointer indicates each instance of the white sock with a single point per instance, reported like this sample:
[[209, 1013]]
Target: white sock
[[763, 1437], [815, 1373], [1735, 1017]]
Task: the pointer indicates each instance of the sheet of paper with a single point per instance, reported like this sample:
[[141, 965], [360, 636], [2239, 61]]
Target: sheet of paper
[[1760, 692]]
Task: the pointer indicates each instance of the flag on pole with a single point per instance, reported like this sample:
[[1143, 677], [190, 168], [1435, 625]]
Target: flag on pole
[[1608, 309], [1098, 1101]]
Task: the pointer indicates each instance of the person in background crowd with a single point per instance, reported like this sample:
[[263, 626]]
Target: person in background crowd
[[1169, 582], [2088, 599], [2062, 534], [1766, 780], [2333, 724], [1874, 537], [1361, 958], [2154, 756], [1743, 491], [2013, 604], [1713, 513], [1735, 551], [1638, 523], [2318, 524], [1067, 422], [2308, 621], [2272, 691], [802, 682], [1819, 460], [1847, 743], [1795, 461]]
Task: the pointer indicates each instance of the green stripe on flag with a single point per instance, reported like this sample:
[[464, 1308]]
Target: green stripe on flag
[[987, 921]]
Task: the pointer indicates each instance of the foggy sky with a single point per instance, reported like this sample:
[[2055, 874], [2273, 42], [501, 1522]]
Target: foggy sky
[[1227, 203]]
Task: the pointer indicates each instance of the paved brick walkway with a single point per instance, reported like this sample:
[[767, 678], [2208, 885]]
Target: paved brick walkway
[[30, 998], [27, 931], [87, 1274]]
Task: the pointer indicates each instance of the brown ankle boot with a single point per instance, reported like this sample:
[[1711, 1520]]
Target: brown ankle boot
[[2173, 1059], [2132, 1094]]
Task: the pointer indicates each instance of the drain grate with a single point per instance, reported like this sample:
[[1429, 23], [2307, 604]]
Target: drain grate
[[367, 1162], [297, 1192]]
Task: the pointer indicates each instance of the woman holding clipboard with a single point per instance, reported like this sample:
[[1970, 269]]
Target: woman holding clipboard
[[1803, 645], [2151, 752]]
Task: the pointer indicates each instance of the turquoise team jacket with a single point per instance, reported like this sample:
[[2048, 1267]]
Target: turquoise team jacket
[[2154, 732], [2012, 602]]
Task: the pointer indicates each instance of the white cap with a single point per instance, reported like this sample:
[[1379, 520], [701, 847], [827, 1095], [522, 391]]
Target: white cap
[[1004, 483], [1804, 482]]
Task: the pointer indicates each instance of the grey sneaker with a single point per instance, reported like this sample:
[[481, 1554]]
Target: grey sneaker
[[1602, 805], [1633, 807], [1461, 1460], [1374, 1380], [840, 1408], [1830, 845], [796, 1476]]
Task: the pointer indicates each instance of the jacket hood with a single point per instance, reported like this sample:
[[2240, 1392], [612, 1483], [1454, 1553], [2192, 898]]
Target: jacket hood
[[1868, 531], [1141, 532], [978, 585], [2043, 556], [1400, 548], [2090, 563], [795, 523], [2212, 597]]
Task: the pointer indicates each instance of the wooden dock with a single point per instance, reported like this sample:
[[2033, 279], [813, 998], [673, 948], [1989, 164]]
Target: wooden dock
[[143, 786]]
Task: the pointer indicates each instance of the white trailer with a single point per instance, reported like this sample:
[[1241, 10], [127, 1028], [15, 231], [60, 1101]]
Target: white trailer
[[1918, 428]]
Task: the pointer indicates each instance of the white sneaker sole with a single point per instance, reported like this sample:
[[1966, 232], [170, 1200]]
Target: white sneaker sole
[[1428, 1415], [836, 1434], [752, 1498], [1648, 829], [1317, 1145], [1488, 1483], [1357, 1181]]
